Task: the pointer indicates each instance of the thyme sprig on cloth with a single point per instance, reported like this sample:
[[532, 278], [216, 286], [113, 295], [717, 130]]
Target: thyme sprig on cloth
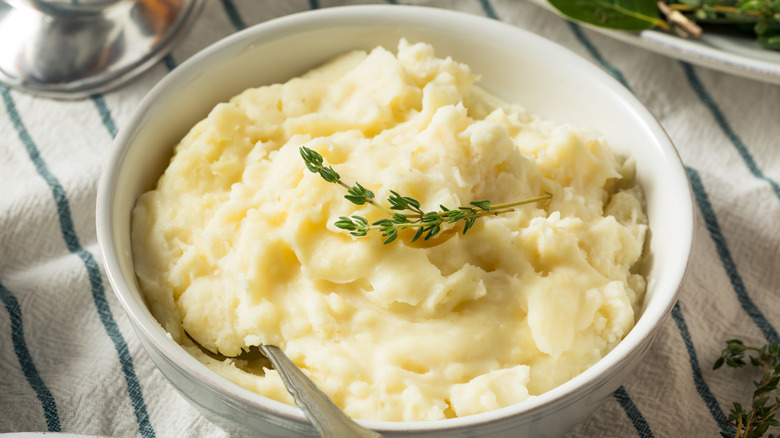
[[756, 421], [404, 211]]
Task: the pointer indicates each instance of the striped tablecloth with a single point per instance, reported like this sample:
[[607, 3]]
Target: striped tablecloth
[[70, 362]]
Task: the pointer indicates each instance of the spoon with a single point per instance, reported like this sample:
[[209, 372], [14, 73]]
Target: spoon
[[327, 418]]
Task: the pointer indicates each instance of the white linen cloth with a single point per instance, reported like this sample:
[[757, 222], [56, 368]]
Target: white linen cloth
[[70, 362]]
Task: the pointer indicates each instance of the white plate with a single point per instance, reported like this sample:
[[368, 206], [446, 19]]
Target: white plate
[[730, 54]]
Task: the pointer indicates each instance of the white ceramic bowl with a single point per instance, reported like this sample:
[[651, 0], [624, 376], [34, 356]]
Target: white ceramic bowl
[[521, 67]]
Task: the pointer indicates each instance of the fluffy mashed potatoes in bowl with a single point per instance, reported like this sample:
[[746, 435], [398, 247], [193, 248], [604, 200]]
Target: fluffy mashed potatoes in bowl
[[213, 230], [236, 246]]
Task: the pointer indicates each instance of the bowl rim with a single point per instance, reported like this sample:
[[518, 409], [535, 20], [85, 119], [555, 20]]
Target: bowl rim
[[645, 327]]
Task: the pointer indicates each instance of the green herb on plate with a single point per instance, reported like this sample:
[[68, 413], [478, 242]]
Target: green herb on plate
[[759, 18]]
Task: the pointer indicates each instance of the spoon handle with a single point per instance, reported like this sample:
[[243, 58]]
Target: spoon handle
[[329, 420]]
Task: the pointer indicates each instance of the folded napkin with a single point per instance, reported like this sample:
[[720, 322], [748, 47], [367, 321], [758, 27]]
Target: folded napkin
[[70, 362]]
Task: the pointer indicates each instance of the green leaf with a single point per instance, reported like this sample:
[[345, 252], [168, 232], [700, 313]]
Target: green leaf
[[398, 202], [751, 5], [399, 218], [359, 200], [392, 237], [345, 223], [430, 217], [469, 223], [417, 234], [359, 195], [312, 159], [433, 230], [411, 202], [630, 15], [483, 205], [770, 42], [329, 175]]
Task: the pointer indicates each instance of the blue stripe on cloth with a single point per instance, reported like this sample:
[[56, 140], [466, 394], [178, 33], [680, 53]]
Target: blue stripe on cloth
[[488, 9], [711, 221], [594, 52], [102, 107], [93, 271], [701, 386], [105, 114], [633, 413], [26, 362], [724, 125], [170, 62], [233, 15], [314, 4]]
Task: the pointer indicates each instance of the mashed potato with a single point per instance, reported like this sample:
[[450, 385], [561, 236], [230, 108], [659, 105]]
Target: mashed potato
[[236, 246]]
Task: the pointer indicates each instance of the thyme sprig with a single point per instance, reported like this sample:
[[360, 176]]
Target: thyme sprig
[[756, 421], [404, 211]]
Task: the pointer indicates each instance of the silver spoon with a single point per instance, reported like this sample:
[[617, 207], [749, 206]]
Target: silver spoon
[[329, 420]]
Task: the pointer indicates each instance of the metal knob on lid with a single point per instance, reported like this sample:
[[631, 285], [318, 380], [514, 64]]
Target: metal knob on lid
[[70, 50]]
